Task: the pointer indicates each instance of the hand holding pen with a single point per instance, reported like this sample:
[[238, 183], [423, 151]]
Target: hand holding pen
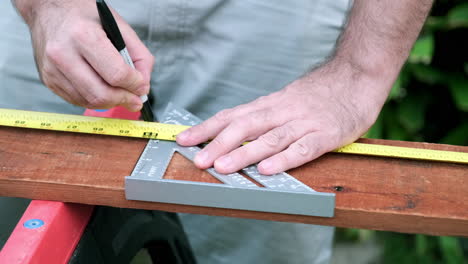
[[77, 61], [113, 33]]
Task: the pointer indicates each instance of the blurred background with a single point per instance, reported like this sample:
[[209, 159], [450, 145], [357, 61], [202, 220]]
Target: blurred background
[[429, 102]]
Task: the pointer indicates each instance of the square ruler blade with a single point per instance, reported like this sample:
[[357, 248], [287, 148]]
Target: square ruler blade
[[281, 193]]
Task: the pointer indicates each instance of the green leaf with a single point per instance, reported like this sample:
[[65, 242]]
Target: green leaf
[[451, 250], [458, 16], [434, 23], [429, 75], [421, 245], [459, 89], [457, 136], [423, 50], [366, 235], [397, 133], [411, 112]]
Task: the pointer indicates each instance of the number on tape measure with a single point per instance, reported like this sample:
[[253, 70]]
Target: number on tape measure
[[150, 135], [89, 124], [151, 130]]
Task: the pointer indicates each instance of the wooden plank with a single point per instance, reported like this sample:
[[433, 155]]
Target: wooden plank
[[374, 193]]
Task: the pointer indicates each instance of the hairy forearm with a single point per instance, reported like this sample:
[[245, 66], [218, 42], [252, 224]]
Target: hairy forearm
[[379, 36], [24, 7]]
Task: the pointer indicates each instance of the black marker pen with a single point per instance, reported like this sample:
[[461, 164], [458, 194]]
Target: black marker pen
[[113, 33]]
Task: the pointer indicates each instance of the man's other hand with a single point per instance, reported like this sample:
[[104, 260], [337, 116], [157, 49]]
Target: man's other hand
[[78, 62], [316, 114]]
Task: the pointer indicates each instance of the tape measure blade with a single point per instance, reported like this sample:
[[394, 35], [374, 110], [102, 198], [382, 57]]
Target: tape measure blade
[[404, 152], [151, 130], [89, 124]]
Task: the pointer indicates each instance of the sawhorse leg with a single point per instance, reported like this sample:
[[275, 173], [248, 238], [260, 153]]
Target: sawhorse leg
[[49, 231]]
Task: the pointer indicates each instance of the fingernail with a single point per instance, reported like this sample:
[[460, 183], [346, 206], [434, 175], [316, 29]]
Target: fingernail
[[224, 162], [201, 158], [184, 136]]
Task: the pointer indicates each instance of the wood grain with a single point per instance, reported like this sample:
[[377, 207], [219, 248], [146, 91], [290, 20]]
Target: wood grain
[[374, 193]]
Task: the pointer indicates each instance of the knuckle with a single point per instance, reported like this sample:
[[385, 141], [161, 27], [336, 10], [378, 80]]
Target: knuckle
[[98, 36], [218, 143], [254, 119], [223, 116], [274, 137], [240, 125], [141, 90], [79, 34], [302, 149], [118, 76], [54, 53], [97, 101]]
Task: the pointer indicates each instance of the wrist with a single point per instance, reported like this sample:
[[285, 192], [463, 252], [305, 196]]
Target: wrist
[[369, 67], [366, 90]]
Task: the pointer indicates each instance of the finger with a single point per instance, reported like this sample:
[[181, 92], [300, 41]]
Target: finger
[[99, 52], [241, 129], [65, 89], [272, 142], [53, 78], [303, 150], [96, 92], [62, 93], [141, 56], [232, 137], [214, 125]]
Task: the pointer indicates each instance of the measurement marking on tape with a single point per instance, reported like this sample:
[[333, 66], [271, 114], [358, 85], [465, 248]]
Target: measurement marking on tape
[[89, 124], [404, 152], [151, 130]]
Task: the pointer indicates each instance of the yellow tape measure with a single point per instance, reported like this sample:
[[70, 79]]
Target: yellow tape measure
[[150, 130], [89, 124]]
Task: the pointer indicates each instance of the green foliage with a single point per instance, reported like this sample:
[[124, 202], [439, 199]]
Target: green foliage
[[429, 102], [459, 88], [422, 50], [409, 249], [457, 16]]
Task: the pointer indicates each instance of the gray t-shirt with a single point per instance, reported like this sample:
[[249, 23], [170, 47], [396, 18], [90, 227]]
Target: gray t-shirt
[[210, 55]]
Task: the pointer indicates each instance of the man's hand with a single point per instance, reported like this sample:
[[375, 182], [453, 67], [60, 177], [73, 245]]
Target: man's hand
[[309, 117], [328, 108], [78, 62]]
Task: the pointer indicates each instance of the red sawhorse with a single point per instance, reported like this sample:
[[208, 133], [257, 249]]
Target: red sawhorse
[[49, 231]]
